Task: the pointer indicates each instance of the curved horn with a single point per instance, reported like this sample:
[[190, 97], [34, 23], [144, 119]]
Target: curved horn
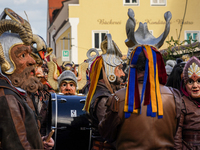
[[29, 35], [104, 46], [18, 25], [130, 29], [39, 41], [49, 51], [163, 36], [73, 65], [63, 65], [24, 32], [66, 67], [89, 54]]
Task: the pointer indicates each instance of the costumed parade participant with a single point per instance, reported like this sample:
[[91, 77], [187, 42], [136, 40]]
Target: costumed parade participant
[[188, 133], [80, 75], [19, 125], [175, 78], [143, 116], [67, 83], [105, 78], [41, 97]]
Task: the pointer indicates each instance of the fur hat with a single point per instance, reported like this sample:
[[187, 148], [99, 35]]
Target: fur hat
[[169, 66]]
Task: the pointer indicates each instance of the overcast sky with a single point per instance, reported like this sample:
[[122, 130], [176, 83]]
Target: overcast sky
[[35, 9]]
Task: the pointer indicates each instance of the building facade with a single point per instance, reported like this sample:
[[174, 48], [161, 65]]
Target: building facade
[[82, 24]]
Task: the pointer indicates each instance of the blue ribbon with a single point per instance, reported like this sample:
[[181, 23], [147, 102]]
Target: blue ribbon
[[154, 60], [132, 76], [127, 114], [145, 80], [149, 107], [149, 110]]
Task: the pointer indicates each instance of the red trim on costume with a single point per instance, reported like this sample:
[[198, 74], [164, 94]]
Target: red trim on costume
[[147, 92], [137, 95], [48, 58], [60, 70]]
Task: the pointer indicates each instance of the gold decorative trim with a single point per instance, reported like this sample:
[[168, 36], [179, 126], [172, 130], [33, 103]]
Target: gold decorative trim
[[5, 64], [49, 51], [11, 58], [14, 16], [51, 75], [82, 80], [104, 46], [194, 68]]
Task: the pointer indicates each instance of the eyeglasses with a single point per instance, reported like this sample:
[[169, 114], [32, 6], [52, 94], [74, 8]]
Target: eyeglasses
[[191, 82]]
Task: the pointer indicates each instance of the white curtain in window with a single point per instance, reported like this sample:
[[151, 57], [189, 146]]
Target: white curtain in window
[[161, 1], [158, 1], [155, 1]]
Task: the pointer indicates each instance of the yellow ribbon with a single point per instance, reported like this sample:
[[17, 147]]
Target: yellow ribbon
[[159, 99], [126, 98], [151, 79], [127, 89], [94, 77]]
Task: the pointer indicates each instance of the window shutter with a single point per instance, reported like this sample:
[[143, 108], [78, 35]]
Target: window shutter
[[194, 36], [188, 35]]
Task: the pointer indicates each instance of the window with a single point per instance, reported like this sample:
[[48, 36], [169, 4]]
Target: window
[[192, 36], [131, 2], [97, 38], [158, 2]]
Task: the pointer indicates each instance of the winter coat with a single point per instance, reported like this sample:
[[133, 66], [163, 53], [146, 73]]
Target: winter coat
[[139, 131], [18, 125]]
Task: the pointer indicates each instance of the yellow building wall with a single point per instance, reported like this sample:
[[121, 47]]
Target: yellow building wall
[[92, 12], [62, 46]]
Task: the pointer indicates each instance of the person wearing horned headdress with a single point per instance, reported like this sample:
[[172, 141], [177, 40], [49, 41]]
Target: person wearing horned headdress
[[143, 115], [41, 97], [18, 120], [188, 133], [105, 78]]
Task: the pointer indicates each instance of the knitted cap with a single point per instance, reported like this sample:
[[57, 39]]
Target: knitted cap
[[67, 75]]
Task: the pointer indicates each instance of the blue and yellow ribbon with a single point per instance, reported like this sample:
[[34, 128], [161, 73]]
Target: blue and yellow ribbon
[[154, 101]]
